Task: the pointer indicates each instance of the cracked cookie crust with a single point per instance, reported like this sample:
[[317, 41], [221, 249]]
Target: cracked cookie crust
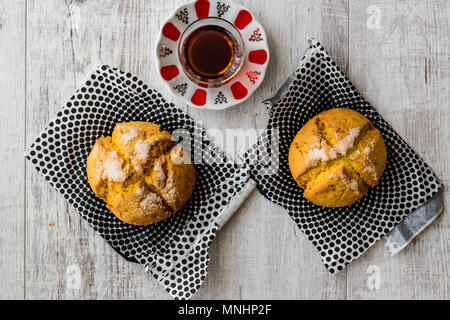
[[142, 174]]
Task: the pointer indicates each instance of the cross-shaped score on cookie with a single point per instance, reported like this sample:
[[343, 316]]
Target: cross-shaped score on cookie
[[336, 157]]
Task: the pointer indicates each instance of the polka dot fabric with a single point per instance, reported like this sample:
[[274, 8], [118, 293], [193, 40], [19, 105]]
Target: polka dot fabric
[[343, 234], [174, 251]]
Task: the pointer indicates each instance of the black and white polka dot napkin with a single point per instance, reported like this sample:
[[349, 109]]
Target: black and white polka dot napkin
[[174, 251], [407, 199]]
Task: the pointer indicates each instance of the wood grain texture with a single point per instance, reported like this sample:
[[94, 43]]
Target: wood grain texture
[[260, 253], [402, 68], [65, 41], [12, 167]]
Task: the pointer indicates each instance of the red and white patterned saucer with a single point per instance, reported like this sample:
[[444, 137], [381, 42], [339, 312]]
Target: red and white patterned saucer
[[242, 85]]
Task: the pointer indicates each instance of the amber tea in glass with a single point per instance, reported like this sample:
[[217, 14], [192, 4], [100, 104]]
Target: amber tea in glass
[[211, 51]]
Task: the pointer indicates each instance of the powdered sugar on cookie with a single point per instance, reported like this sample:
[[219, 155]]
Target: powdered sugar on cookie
[[322, 151], [159, 174], [345, 144], [139, 191], [369, 166], [171, 196], [370, 169], [350, 183], [113, 168], [317, 154]]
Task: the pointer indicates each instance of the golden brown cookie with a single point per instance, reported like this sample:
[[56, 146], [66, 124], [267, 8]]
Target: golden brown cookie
[[336, 156], [141, 173]]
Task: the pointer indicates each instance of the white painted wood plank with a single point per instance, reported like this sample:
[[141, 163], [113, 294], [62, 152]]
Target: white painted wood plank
[[402, 69], [261, 253], [12, 121], [65, 40]]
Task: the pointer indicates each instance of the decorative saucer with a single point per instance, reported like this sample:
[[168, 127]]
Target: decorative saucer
[[237, 89]]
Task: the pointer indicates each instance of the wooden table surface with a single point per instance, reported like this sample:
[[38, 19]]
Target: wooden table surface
[[395, 52]]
